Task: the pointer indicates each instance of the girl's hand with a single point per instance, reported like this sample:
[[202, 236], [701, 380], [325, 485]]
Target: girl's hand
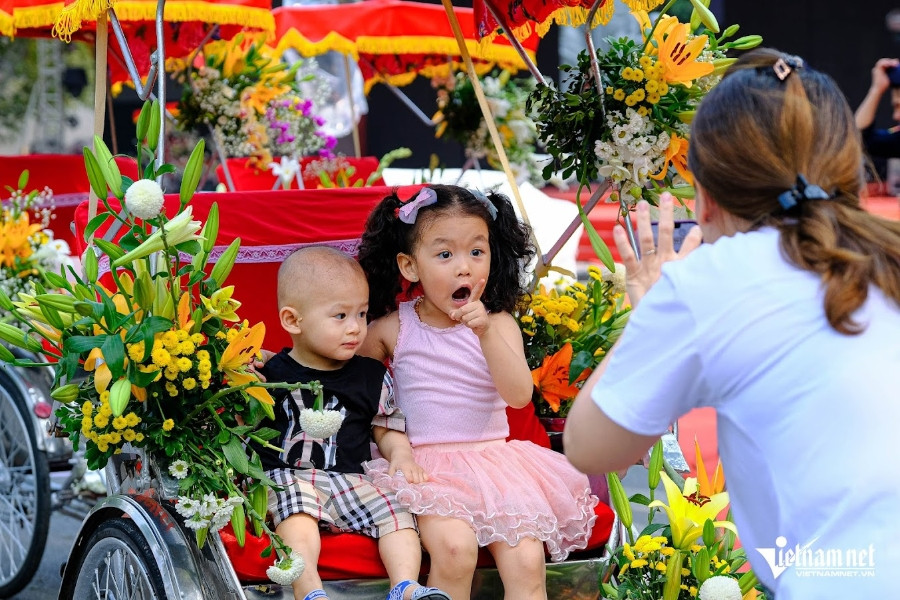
[[642, 273], [473, 314], [412, 472]]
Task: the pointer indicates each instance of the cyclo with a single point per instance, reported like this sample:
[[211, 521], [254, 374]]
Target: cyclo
[[135, 544]]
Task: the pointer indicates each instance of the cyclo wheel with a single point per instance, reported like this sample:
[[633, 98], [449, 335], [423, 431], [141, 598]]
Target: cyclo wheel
[[118, 563], [24, 493]]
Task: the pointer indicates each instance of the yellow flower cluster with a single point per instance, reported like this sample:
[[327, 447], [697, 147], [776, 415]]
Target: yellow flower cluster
[[99, 426], [556, 308], [650, 86]]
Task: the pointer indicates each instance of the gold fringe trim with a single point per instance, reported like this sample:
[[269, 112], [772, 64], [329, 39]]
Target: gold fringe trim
[[442, 71], [7, 26], [68, 19], [38, 17], [71, 17], [646, 5], [575, 16], [294, 40], [208, 12]]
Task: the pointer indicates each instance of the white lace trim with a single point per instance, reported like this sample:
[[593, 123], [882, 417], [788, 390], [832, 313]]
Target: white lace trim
[[259, 254]]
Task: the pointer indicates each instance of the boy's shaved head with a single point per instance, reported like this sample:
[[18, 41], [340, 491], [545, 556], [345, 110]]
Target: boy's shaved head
[[310, 268]]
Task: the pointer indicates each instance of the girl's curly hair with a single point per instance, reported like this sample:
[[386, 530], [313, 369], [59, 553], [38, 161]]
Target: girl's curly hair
[[386, 236]]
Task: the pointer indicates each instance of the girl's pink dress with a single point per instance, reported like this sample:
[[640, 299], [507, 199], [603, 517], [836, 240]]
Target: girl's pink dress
[[456, 422]]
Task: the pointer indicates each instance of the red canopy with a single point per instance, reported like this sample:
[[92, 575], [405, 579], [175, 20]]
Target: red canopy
[[393, 40]]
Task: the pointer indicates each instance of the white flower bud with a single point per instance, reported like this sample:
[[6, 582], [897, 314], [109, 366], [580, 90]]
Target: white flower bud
[[144, 199]]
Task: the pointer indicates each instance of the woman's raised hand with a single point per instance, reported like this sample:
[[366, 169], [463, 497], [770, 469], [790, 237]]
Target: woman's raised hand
[[642, 272]]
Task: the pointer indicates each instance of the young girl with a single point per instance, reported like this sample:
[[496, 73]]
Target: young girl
[[458, 361]]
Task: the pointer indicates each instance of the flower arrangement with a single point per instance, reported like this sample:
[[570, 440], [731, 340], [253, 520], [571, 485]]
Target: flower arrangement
[[567, 331], [632, 126], [252, 101], [459, 118], [27, 247], [164, 351], [693, 555]]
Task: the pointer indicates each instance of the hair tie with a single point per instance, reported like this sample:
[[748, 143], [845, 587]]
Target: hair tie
[[492, 210], [410, 209], [801, 191], [785, 65]]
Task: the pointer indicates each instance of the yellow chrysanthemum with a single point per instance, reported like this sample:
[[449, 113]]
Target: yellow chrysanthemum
[[168, 425], [184, 364], [129, 435], [120, 422], [132, 419], [101, 421], [161, 357], [189, 383]]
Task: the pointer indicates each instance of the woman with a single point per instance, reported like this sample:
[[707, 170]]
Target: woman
[[786, 322]]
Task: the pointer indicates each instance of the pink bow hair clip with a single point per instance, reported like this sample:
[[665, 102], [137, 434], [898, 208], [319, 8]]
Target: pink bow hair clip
[[410, 209]]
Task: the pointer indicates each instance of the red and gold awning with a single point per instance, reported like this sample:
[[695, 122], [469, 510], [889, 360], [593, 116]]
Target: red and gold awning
[[525, 18], [186, 23], [393, 40]]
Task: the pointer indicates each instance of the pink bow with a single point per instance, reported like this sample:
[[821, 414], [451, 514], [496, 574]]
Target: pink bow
[[408, 212]]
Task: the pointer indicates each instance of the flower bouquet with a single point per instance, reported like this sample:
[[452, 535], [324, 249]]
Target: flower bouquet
[[459, 118], [150, 353], [693, 555], [632, 125], [252, 102], [27, 247], [567, 331]]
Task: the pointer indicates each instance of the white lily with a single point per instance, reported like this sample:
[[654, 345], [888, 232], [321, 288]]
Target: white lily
[[287, 170], [178, 230]]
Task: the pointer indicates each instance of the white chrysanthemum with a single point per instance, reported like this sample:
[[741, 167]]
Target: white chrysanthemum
[[209, 504], [286, 570], [144, 199], [222, 516], [320, 424], [179, 469], [187, 507], [196, 522], [617, 279], [720, 588]]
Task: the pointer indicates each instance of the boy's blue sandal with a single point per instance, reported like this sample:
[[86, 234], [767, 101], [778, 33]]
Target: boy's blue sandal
[[313, 595], [420, 593]]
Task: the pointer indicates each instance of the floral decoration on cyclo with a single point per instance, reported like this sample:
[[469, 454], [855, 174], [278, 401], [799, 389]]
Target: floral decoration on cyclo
[[694, 554], [633, 128], [157, 333], [567, 331], [459, 118], [256, 106], [27, 247]]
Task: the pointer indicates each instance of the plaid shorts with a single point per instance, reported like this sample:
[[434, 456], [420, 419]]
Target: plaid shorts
[[339, 501]]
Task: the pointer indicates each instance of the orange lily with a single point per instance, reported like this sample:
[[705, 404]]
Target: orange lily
[[704, 485], [242, 348], [184, 312], [552, 378], [666, 22], [14, 234], [103, 375], [676, 155], [678, 56]]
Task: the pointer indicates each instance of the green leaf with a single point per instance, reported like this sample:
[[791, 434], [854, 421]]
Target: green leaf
[[191, 247], [581, 361], [223, 437], [129, 242], [109, 248], [266, 433], [639, 499], [94, 223], [56, 280], [114, 354], [235, 455]]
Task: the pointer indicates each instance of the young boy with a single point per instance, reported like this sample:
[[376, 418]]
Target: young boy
[[322, 299]]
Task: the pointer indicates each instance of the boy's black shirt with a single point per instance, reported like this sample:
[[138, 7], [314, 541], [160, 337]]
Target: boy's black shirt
[[354, 389]]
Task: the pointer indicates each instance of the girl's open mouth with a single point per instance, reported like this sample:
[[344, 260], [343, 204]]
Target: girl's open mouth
[[462, 294]]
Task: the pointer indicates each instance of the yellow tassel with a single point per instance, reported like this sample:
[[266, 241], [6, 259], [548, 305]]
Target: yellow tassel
[[72, 15], [647, 5], [179, 11]]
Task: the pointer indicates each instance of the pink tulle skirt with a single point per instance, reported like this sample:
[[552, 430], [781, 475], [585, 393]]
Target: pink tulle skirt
[[506, 491]]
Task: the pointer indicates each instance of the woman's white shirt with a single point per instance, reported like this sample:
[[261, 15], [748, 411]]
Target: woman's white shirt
[[808, 419]]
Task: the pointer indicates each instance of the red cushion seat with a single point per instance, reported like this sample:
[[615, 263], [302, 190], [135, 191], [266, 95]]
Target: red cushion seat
[[248, 178]]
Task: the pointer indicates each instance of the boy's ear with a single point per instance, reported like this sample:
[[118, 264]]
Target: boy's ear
[[290, 320], [407, 266]]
